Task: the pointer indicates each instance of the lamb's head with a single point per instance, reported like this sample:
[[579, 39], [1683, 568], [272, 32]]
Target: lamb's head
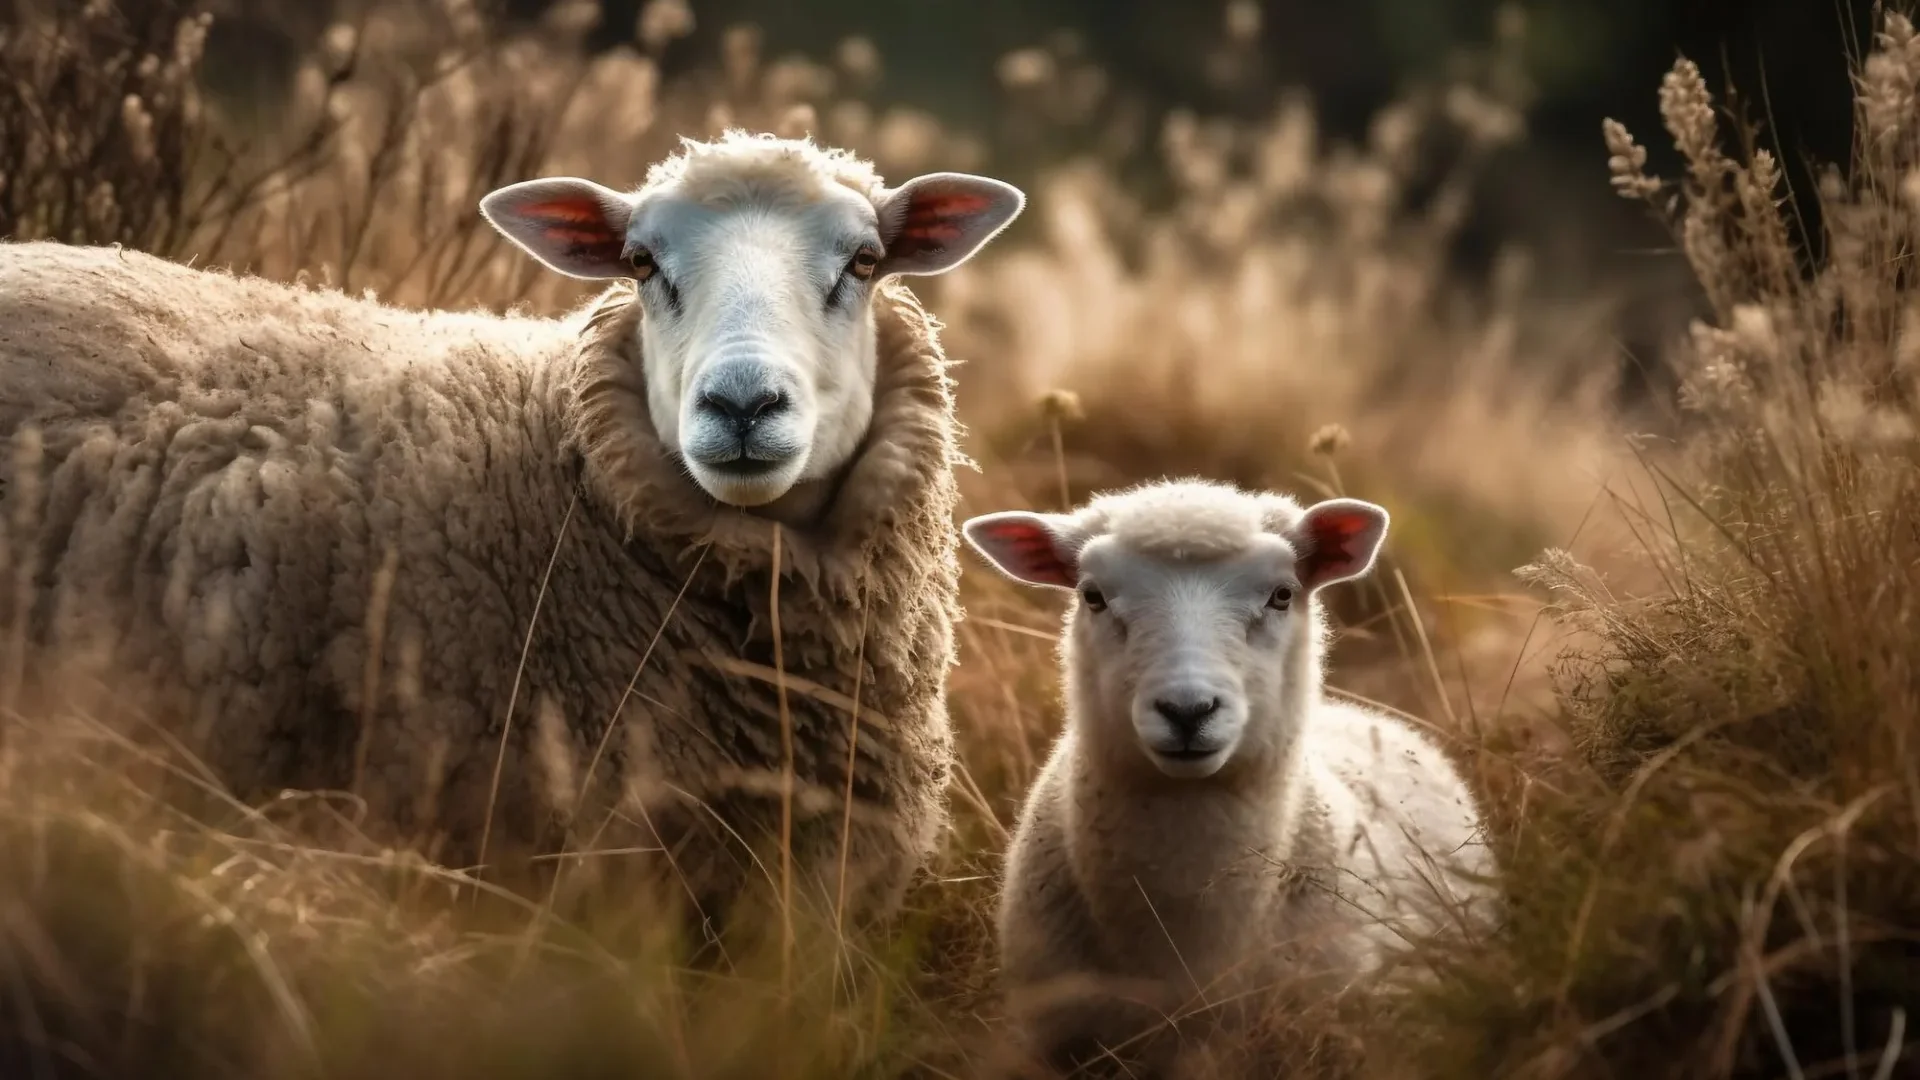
[[1196, 613], [756, 260]]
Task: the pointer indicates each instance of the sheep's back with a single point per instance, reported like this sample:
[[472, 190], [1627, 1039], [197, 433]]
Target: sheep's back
[[220, 462], [89, 332], [1401, 813]]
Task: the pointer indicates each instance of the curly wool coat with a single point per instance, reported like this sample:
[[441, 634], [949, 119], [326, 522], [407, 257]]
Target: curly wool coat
[[315, 530]]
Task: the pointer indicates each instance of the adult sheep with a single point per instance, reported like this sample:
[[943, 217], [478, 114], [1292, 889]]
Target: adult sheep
[[424, 555]]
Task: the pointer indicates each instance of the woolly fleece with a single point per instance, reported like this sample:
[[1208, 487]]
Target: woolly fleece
[[1296, 869], [233, 477]]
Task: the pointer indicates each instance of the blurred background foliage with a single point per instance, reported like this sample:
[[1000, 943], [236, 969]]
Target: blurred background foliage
[[1129, 63], [1587, 58]]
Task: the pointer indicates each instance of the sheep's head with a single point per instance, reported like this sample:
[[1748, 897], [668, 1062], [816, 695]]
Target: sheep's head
[[756, 261], [1195, 612]]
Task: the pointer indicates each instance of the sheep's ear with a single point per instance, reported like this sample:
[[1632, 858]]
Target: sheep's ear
[[1337, 540], [933, 223], [574, 226], [1037, 549]]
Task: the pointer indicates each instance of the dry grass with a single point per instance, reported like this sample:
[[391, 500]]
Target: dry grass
[[1726, 880], [1711, 820]]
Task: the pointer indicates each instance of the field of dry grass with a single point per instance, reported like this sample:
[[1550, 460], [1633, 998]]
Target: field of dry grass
[[1693, 713]]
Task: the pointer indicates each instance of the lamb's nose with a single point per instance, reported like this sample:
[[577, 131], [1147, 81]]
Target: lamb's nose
[[1187, 713]]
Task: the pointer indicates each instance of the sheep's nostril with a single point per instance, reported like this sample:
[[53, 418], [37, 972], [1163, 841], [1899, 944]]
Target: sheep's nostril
[[1187, 714], [769, 403], [743, 409]]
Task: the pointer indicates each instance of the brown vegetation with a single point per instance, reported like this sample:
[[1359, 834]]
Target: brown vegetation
[[1711, 817]]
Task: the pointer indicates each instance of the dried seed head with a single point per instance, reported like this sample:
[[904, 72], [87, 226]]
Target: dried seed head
[[1243, 20], [661, 21], [1687, 108], [1063, 406], [792, 80], [190, 41], [851, 122], [1717, 381], [337, 51], [1889, 81], [138, 123], [1024, 69], [1329, 440], [1484, 120], [910, 138], [1832, 185], [740, 52], [1763, 176], [859, 58], [102, 209], [797, 122], [1754, 332], [572, 18], [1627, 162]]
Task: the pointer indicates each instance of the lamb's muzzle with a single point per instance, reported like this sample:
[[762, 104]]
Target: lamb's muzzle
[[1190, 637]]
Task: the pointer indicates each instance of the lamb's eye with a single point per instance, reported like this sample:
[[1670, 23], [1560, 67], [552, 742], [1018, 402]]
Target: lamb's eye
[[1093, 598], [863, 264], [643, 265], [1280, 598]]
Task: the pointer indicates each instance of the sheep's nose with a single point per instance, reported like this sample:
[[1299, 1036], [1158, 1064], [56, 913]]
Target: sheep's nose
[[743, 408], [1187, 713]]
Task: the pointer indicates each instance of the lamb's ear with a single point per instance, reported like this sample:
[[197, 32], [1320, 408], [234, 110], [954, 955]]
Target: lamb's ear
[[1038, 549], [933, 223], [1337, 540], [574, 226]]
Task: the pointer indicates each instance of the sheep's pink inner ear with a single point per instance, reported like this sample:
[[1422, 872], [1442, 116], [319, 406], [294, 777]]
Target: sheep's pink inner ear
[[1022, 547], [577, 227], [935, 219], [574, 226], [1338, 539], [934, 223]]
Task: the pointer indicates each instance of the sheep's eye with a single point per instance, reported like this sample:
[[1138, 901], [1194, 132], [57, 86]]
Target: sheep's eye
[[1093, 598], [1280, 599], [863, 264], [642, 263]]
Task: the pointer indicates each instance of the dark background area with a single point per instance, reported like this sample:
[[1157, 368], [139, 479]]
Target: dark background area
[[1587, 60]]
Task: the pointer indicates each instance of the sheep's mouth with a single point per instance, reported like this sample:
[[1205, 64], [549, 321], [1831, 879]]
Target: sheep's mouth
[[1190, 763], [744, 481], [744, 468]]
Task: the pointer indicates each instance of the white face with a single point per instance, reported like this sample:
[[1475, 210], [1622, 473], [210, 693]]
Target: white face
[[1186, 658], [759, 338], [1180, 649], [758, 334]]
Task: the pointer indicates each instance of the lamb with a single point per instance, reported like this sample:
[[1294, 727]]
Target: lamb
[[500, 574], [1208, 821]]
